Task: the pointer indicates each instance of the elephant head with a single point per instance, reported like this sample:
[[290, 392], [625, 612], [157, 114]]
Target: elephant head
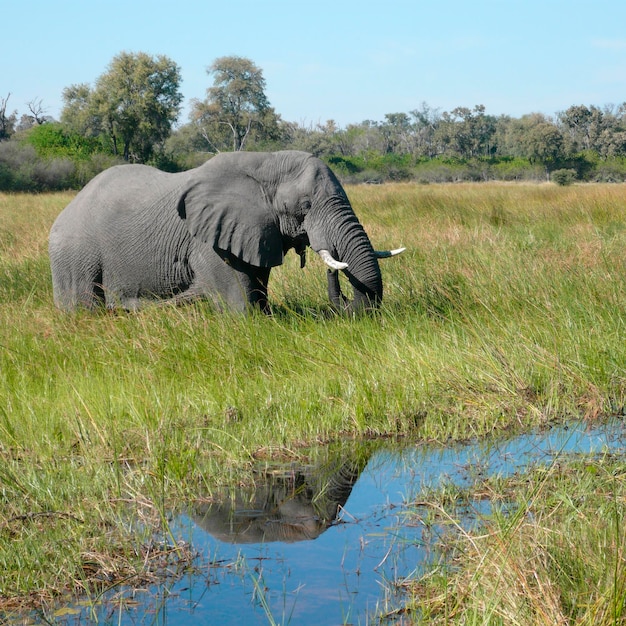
[[262, 205]]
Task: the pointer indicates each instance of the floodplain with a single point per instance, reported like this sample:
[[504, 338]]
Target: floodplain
[[506, 314]]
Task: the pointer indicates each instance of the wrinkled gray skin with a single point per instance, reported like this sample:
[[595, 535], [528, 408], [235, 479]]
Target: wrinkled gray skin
[[135, 233]]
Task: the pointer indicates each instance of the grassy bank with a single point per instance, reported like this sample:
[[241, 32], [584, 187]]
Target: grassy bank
[[552, 552], [507, 310]]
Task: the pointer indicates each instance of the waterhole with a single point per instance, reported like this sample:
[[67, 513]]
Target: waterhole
[[327, 542]]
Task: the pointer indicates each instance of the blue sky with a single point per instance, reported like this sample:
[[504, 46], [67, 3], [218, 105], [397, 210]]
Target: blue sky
[[345, 60]]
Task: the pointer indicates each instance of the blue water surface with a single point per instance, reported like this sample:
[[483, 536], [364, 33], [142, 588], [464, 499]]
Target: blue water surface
[[347, 574]]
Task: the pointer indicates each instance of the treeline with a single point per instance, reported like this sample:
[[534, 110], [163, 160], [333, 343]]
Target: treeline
[[131, 115]]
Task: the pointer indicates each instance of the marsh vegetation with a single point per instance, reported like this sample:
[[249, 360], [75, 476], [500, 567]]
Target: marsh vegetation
[[505, 313]]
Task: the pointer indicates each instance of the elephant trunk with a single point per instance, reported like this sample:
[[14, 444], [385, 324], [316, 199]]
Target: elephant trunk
[[340, 234], [366, 281]]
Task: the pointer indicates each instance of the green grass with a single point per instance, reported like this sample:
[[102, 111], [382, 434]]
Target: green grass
[[555, 554], [506, 311]]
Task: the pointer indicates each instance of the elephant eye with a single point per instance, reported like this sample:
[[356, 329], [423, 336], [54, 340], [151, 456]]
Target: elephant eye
[[305, 205]]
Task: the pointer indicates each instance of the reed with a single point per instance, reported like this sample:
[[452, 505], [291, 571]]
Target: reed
[[554, 554]]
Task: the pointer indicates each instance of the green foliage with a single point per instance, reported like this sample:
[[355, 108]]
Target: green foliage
[[515, 168], [132, 108], [345, 165], [134, 104], [373, 167], [609, 170], [467, 132], [55, 140], [22, 169], [235, 107], [563, 177]]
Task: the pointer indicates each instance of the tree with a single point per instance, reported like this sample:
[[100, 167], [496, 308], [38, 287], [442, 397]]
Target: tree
[[79, 112], [398, 132], [467, 132], [426, 121], [537, 138], [7, 121], [594, 129], [54, 140], [36, 116], [134, 104], [235, 106], [320, 139], [363, 139]]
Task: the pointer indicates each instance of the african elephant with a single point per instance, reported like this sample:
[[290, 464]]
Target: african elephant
[[289, 504], [135, 233]]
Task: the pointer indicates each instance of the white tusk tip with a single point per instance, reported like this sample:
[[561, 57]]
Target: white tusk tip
[[384, 254], [327, 257]]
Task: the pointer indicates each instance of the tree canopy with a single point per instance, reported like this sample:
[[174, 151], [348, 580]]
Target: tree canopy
[[234, 106], [134, 104], [130, 114]]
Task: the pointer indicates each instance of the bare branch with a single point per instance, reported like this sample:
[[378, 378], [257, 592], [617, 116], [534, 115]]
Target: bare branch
[[205, 136], [37, 110]]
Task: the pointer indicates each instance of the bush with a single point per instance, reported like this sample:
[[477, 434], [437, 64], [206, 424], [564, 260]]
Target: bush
[[55, 174], [371, 177], [612, 170], [440, 171], [343, 166], [563, 177], [16, 165], [46, 159], [98, 162], [53, 140], [21, 169], [516, 169]]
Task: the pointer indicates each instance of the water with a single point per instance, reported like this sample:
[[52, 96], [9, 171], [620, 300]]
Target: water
[[325, 543]]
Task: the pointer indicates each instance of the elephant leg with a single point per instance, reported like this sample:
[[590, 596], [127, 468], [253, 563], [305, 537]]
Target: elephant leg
[[229, 282], [77, 288], [256, 289], [246, 286]]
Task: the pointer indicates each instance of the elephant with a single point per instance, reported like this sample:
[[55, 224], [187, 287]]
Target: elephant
[[135, 234], [289, 504]]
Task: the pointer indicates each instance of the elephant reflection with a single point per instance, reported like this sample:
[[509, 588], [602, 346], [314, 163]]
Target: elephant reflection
[[293, 503]]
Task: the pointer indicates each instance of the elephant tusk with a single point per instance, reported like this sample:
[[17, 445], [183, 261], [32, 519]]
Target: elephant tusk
[[385, 254], [327, 257]]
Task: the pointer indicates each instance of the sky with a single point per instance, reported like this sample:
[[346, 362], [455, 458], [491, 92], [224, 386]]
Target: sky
[[341, 60]]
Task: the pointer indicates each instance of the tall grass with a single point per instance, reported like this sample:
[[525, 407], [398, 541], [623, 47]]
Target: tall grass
[[506, 311], [555, 554]]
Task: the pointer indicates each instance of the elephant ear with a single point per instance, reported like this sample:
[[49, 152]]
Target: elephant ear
[[233, 216]]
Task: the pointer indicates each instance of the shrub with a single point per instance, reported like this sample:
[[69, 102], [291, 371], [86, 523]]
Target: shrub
[[516, 169], [21, 169], [55, 174], [98, 162], [612, 170], [16, 165], [438, 171], [343, 165], [563, 177], [54, 140]]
